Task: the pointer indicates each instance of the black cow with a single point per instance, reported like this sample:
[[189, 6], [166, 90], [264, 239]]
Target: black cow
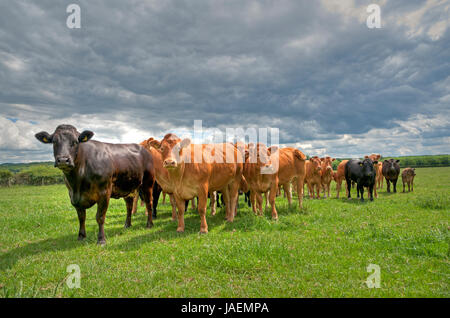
[[95, 171], [363, 173], [391, 170]]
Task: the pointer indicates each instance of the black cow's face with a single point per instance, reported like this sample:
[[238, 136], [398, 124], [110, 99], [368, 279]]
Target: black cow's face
[[367, 167], [65, 140], [391, 164]]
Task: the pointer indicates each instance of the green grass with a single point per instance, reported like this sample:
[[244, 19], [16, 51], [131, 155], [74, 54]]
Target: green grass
[[321, 251]]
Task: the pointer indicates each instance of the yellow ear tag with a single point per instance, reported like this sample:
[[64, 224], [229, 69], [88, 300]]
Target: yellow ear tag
[[85, 138], [45, 139]]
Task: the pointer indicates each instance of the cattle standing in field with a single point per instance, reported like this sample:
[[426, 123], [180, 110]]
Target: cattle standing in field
[[215, 168], [326, 174], [380, 175], [363, 173], [291, 164], [376, 166], [391, 170], [95, 171], [339, 177], [408, 175], [257, 165], [313, 176]]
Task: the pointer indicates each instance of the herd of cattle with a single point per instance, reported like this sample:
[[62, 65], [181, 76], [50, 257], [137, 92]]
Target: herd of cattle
[[95, 171]]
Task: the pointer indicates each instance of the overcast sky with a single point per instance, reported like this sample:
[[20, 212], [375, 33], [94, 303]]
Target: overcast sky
[[313, 69]]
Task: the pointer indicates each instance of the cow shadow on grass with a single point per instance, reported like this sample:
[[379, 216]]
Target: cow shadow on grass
[[58, 244]]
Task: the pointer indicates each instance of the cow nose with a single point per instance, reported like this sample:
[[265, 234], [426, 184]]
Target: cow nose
[[169, 163], [63, 160]]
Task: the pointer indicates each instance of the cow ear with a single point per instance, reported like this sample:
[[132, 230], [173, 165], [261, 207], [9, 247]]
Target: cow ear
[[333, 159], [360, 163], [366, 157], [375, 162], [44, 137], [272, 150], [85, 136], [386, 160], [397, 160], [154, 143], [185, 142]]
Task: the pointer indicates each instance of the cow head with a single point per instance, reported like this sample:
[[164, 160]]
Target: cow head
[[316, 164], [171, 148], [66, 140], [367, 167], [265, 158], [326, 165], [392, 165]]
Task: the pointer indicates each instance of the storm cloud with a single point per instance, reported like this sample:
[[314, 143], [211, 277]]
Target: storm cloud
[[313, 69]]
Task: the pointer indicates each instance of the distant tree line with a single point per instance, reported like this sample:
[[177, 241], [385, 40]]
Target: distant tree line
[[29, 174], [43, 173], [414, 161]]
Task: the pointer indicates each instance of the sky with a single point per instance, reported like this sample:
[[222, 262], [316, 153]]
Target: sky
[[312, 69]]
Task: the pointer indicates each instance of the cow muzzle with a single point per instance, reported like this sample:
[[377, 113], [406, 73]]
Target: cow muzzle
[[64, 163], [169, 163]]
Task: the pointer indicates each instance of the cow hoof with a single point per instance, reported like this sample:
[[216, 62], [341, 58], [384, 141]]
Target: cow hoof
[[127, 225], [180, 230], [203, 232], [149, 225], [81, 238], [101, 242], [371, 199], [154, 215]]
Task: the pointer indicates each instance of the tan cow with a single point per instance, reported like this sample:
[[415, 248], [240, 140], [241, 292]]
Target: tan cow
[[313, 178], [161, 174], [257, 163], [326, 174], [291, 165], [380, 176], [377, 167], [339, 177], [408, 175], [195, 170]]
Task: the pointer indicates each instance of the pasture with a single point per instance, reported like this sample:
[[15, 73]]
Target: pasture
[[321, 251]]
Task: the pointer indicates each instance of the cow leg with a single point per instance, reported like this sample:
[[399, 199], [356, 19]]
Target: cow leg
[[348, 184], [404, 187], [328, 189], [82, 219], [135, 201], [361, 189], [300, 192], [412, 185], [388, 185], [394, 182], [212, 202], [371, 189], [186, 204], [201, 205], [253, 201], [102, 207], [193, 207], [272, 197], [173, 203], [374, 188], [164, 198], [338, 188], [156, 193], [266, 195], [129, 203], [318, 190], [234, 196], [287, 192], [226, 196], [259, 200], [181, 205]]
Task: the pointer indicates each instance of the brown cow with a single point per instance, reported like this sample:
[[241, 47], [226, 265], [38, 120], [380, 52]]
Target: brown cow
[[326, 174], [313, 176], [340, 176], [291, 165], [408, 175], [257, 161], [161, 174], [380, 177], [194, 177], [95, 172]]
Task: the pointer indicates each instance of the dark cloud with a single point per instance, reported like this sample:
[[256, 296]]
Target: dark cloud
[[311, 68]]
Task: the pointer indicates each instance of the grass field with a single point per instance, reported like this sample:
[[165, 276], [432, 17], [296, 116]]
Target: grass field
[[321, 251]]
